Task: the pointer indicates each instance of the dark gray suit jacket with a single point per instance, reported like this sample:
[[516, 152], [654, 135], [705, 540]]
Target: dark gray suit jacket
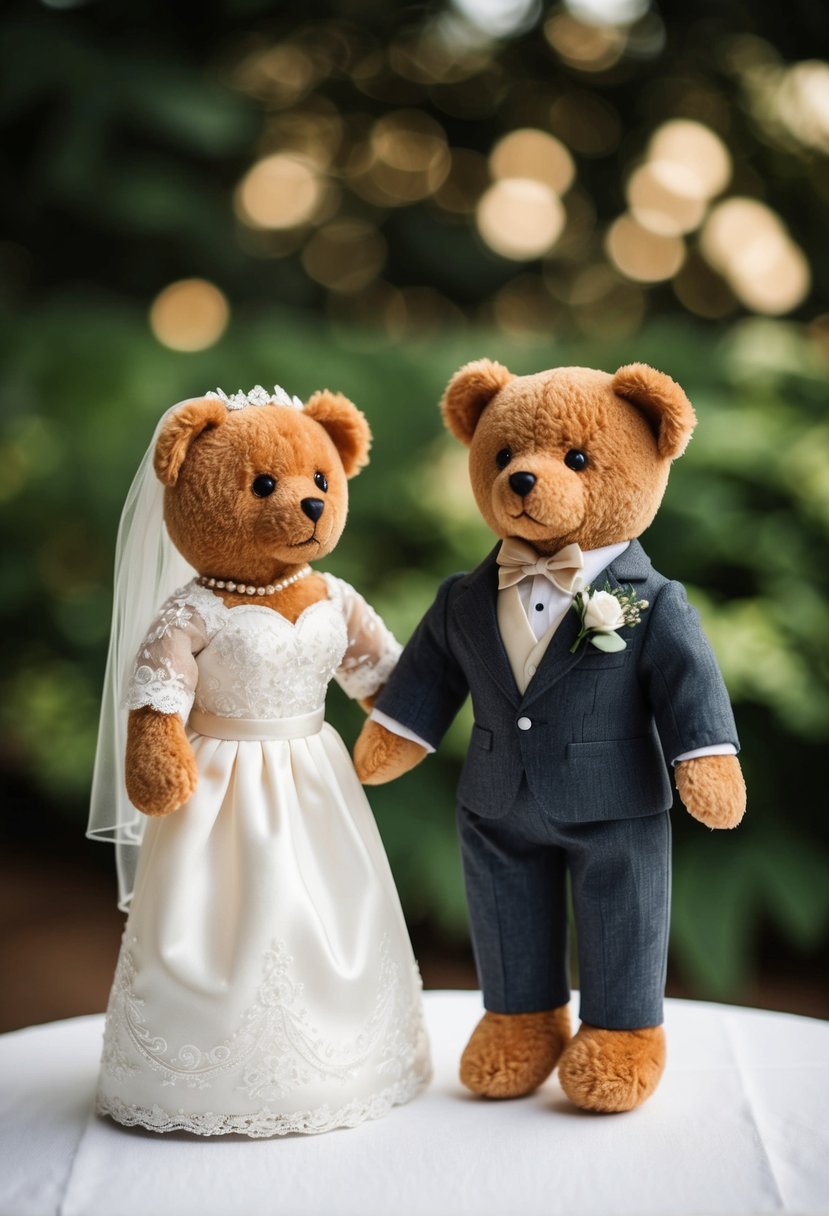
[[603, 727]]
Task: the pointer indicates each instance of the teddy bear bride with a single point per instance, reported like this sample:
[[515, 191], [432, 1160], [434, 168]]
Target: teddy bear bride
[[266, 983]]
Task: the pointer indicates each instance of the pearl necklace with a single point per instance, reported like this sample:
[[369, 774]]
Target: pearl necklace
[[227, 584]]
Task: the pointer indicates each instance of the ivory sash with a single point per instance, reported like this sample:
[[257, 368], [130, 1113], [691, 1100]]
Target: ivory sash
[[251, 730]]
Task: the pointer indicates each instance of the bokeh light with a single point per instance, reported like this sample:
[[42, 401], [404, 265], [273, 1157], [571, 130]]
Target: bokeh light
[[702, 161], [608, 12], [748, 244], [405, 159], [189, 315], [532, 154], [642, 255], [311, 155], [313, 133], [345, 256], [499, 18], [803, 103], [280, 191], [520, 218], [278, 75], [582, 45], [661, 195]]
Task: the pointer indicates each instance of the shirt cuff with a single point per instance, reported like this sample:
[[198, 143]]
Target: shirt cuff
[[713, 749], [377, 715]]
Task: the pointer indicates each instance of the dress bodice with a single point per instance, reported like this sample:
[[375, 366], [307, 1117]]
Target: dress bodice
[[249, 661], [260, 665]]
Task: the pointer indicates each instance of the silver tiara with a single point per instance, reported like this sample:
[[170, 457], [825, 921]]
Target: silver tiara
[[256, 396]]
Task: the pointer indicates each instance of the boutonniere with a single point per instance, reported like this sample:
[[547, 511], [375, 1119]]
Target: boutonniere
[[603, 612]]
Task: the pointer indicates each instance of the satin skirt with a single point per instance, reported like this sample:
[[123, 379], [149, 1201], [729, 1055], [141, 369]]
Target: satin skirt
[[266, 982]]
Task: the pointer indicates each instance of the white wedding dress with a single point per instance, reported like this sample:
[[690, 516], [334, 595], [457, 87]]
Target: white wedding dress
[[266, 983]]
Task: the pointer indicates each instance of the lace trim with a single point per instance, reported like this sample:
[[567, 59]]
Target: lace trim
[[161, 687], [266, 1122], [155, 682], [360, 676], [363, 671], [276, 1047], [211, 608]]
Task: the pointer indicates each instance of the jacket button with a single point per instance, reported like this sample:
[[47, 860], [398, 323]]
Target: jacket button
[[524, 723]]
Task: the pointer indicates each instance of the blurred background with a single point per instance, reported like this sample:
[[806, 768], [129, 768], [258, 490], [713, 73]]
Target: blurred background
[[365, 195]]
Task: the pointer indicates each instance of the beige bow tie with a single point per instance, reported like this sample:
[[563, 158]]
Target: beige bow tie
[[517, 560]]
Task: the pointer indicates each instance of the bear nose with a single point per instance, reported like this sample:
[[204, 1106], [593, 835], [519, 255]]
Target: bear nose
[[522, 483], [313, 507]]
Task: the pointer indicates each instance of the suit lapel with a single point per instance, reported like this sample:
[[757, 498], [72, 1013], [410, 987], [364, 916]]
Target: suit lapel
[[632, 566], [629, 567], [478, 606]]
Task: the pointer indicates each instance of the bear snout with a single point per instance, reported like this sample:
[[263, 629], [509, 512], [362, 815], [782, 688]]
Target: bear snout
[[313, 508], [522, 483]]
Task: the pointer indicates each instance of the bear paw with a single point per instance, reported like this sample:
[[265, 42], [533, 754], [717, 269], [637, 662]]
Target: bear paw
[[612, 1070], [160, 769], [712, 789], [511, 1054], [380, 755]]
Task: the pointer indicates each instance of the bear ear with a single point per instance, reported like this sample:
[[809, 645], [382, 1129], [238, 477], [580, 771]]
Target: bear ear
[[346, 426], [179, 431], [663, 403], [468, 394]]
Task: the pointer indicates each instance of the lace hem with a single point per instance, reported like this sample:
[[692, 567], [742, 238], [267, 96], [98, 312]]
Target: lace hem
[[266, 1122], [172, 702]]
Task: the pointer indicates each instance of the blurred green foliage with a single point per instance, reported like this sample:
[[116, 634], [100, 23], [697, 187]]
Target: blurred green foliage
[[127, 128], [744, 524]]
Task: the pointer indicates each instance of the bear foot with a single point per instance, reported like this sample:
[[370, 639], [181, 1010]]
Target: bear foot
[[511, 1054], [612, 1070]]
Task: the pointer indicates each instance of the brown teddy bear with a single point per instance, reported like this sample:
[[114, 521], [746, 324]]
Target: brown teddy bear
[[266, 982], [589, 678], [221, 521]]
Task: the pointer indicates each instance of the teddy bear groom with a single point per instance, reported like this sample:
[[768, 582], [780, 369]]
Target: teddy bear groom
[[567, 763]]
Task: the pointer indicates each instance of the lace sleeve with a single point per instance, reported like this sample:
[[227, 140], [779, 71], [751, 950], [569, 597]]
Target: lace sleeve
[[372, 651], [165, 672]]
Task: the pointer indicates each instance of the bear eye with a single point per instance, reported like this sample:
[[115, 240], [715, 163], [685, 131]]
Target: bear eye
[[576, 460], [321, 482], [263, 485], [503, 458]]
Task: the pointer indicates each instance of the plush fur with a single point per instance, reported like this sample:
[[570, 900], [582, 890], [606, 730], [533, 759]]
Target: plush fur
[[161, 772], [538, 419], [610, 1071], [380, 755], [468, 395], [714, 791], [511, 1054], [632, 424], [207, 457]]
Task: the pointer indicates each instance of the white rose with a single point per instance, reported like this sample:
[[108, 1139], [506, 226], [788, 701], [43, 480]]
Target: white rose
[[603, 613]]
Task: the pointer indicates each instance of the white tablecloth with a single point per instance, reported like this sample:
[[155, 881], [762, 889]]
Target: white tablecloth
[[740, 1123]]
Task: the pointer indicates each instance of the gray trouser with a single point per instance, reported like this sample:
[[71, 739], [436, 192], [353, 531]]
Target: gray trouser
[[515, 870]]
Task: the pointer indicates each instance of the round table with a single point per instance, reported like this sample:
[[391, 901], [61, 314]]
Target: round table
[[740, 1123]]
